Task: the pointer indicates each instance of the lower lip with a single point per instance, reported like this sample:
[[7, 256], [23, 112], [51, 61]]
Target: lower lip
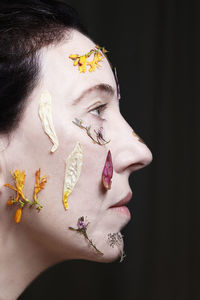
[[123, 210]]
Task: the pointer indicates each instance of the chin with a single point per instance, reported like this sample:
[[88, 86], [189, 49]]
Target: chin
[[110, 254]]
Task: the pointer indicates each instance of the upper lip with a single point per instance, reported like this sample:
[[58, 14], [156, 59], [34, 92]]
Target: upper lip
[[123, 201]]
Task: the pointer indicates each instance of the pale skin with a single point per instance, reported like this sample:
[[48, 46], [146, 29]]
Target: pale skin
[[43, 239]]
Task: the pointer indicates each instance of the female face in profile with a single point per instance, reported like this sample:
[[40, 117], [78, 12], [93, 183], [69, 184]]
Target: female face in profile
[[78, 101], [64, 168]]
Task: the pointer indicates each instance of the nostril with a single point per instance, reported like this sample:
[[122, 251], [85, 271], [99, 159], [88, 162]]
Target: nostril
[[137, 166]]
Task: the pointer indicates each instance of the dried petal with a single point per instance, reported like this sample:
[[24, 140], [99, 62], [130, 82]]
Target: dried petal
[[18, 215], [107, 172], [45, 113], [72, 172], [39, 183]]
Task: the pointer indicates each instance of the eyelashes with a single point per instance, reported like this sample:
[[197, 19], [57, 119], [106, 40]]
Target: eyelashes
[[99, 110]]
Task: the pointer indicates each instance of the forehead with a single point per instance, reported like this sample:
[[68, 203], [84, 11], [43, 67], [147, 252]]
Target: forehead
[[58, 71]]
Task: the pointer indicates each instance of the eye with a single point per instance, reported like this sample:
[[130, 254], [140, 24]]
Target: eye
[[98, 111]]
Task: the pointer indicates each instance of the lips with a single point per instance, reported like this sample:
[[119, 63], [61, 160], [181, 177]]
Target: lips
[[124, 201]]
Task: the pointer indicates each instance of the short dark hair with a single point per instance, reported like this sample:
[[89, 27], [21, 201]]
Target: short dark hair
[[26, 26]]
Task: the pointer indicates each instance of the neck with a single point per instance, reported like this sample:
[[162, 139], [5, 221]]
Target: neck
[[21, 261]]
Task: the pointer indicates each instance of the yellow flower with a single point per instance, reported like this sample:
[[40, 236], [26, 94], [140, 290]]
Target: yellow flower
[[92, 66], [19, 183], [74, 56], [39, 183], [18, 215], [82, 62]]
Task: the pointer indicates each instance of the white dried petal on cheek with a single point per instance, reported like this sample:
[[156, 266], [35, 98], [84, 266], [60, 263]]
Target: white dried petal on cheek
[[45, 113], [72, 172]]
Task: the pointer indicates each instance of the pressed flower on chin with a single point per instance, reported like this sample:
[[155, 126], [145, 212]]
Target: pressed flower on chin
[[20, 199], [82, 229]]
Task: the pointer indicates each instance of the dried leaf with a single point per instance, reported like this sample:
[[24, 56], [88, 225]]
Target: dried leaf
[[72, 172], [45, 113]]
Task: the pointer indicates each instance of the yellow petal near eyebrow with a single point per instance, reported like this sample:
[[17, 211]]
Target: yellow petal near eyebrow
[[72, 172], [45, 113]]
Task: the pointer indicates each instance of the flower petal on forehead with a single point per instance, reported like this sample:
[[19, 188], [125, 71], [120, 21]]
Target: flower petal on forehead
[[45, 113], [72, 172]]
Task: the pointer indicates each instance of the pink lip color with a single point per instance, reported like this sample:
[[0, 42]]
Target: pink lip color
[[120, 206], [123, 210]]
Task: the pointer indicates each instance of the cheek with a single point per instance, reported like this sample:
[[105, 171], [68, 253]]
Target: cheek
[[87, 197]]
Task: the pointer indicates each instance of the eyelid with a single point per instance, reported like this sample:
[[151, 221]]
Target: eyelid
[[101, 107]]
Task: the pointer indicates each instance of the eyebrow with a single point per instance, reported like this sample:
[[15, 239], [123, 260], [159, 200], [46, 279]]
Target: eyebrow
[[102, 87]]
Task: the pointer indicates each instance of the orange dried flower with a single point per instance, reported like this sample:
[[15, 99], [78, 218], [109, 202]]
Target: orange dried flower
[[9, 202], [18, 215], [19, 183], [39, 183], [82, 62]]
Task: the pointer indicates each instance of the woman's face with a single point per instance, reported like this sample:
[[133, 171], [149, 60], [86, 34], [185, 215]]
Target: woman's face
[[91, 97]]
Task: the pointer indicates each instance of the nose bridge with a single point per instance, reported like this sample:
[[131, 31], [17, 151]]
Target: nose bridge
[[129, 152]]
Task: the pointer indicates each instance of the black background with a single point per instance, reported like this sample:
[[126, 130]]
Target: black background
[[155, 47]]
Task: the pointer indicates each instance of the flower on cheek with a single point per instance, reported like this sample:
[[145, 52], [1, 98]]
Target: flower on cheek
[[99, 134], [72, 172], [39, 184], [107, 172], [20, 199]]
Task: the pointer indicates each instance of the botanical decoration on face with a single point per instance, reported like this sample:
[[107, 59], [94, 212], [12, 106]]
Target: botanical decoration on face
[[139, 138], [72, 172], [45, 113], [82, 62], [82, 225], [107, 172], [116, 239], [117, 84], [20, 199], [99, 133]]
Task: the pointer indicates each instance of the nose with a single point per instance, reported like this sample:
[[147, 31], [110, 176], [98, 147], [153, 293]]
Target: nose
[[130, 152]]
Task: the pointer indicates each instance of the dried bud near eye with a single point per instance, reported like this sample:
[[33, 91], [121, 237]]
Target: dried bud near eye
[[107, 172], [18, 215]]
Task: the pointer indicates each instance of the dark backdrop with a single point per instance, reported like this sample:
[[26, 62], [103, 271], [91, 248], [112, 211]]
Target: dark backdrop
[[155, 47]]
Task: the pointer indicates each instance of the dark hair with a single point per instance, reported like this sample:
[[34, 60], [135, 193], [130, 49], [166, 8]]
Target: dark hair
[[26, 26]]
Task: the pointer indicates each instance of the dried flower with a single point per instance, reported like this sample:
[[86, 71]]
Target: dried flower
[[18, 215], [39, 185], [99, 135], [72, 172], [20, 199], [45, 113], [82, 229], [82, 60], [116, 239], [107, 172]]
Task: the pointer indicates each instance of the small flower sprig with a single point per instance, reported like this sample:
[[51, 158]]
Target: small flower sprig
[[99, 135], [115, 239], [82, 229], [82, 62], [20, 199]]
